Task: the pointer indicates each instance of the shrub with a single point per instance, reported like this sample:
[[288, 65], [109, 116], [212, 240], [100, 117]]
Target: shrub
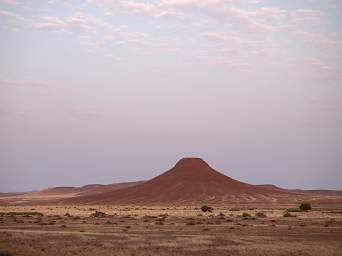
[[246, 215], [25, 214], [293, 210], [305, 206], [287, 215], [191, 223], [206, 208], [260, 215], [221, 215], [98, 215]]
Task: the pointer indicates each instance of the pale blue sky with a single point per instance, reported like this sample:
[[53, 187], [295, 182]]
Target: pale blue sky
[[104, 91]]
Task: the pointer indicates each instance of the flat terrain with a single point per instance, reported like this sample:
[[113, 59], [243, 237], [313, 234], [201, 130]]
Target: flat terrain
[[71, 230]]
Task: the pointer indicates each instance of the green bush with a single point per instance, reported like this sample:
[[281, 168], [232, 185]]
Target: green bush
[[206, 208], [305, 206]]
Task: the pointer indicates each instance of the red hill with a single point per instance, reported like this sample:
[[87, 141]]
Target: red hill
[[190, 180]]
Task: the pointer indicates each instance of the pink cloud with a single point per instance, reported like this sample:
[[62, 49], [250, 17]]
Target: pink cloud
[[320, 69], [223, 38], [8, 2], [8, 14], [131, 7], [50, 23], [83, 22], [80, 22], [248, 21], [234, 44]]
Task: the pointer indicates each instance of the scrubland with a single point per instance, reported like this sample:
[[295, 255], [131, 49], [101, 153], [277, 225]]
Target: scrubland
[[132, 230]]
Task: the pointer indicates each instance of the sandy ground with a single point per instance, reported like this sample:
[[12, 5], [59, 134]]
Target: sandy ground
[[70, 230]]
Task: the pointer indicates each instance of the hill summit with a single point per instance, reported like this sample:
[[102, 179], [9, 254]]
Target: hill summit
[[192, 162]]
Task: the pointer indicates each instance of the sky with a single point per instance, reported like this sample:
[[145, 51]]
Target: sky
[[103, 91]]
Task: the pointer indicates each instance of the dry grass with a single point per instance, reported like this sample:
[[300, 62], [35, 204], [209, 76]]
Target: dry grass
[[69, 230]]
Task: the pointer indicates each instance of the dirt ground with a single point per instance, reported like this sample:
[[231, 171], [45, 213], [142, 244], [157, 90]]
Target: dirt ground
[[72, 230]]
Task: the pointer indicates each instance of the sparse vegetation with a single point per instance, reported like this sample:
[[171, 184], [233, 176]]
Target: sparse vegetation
[[306, 206], [209, 231], [221, 215], [293, 210], [191, 223], [246, 215], [206, 208], [22, 214], [159, 222], [98, 214], [261, 215]]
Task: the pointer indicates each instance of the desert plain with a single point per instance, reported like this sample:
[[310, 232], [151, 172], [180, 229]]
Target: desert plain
[[189, 209], [130, 230]]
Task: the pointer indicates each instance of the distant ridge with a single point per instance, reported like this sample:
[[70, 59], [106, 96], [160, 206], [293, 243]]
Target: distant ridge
[[87, 189], [52, 195]]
